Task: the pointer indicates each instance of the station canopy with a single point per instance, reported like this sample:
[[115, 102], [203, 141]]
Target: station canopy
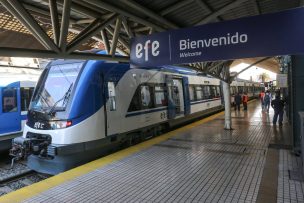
[[63, 28]]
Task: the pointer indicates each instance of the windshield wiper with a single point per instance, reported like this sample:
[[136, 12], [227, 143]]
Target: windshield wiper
[[65, 98]]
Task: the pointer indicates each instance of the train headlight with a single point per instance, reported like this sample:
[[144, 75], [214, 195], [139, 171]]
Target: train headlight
[[60, 124]]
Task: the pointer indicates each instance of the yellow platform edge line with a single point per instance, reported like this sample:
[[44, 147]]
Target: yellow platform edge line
[[37, 188]]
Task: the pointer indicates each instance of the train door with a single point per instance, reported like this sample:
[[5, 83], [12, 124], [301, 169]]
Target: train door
[[112, 115], [176, 104], [10, 109]]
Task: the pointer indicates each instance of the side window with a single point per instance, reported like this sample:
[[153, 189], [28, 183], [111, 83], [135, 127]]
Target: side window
[[9, 100], [145, 96], [212, 91], [112, 96], [218, 91], [26, 95], [160, 99], [135, 102], [191, 93], [240, 88], [198, 91], [206, 90]]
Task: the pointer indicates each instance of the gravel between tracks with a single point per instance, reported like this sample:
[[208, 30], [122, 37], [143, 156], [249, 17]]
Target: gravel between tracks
[[19, 168]]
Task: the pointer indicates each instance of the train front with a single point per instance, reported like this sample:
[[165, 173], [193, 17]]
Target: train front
[[58, 118]]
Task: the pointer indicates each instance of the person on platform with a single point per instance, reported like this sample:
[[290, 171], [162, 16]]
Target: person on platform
[[261, 95], [278, 105], [267, 100], [245, 101], [237, 101]]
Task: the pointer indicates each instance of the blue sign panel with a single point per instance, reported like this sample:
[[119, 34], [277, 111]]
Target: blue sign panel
[[264, 35]]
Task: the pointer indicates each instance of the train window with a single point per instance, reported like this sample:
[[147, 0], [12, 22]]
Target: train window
[[9, 100], [212, 92], [206, 90], [218, 92], [160, 99], [112, 96], [135, 103], [26, 95], [198, 91], [145, 96], [192, 93]]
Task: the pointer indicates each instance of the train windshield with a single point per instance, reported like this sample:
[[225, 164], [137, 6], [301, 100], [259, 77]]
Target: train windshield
[[56, 87]]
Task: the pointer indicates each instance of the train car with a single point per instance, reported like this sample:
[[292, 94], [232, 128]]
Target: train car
[[14, 101], [81, 110], [241, 86]]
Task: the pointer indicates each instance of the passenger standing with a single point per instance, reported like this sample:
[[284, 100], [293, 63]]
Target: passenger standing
[[245, 101], [278, 106], [262, 94], [267, 100], [237, 101]]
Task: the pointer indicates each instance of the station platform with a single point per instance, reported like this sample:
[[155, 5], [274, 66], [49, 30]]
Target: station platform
[[200, 162]]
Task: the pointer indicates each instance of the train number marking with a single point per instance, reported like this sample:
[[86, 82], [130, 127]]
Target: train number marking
[[38, 125]]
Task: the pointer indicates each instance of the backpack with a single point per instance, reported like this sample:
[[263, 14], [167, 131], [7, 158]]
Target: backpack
[[267, 98]]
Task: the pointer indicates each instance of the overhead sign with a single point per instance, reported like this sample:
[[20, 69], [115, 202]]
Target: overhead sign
[[282, 80], [263, 35]]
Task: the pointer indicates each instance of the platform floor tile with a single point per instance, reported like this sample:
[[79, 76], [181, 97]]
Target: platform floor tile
[[290, 190], [204, 164]]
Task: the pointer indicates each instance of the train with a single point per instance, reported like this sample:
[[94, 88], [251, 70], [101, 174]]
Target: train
[[83, 109], [16, 88]]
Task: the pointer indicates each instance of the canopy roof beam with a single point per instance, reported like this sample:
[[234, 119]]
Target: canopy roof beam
[[18, 52], [220, 11]]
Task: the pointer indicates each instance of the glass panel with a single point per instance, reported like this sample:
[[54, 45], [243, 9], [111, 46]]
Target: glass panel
[[199, 95], [218, 92], [9, 100], [206, 90], [160, 96], [56, 87], [26, 95], [145, 96], [191, 93], [112, 98]]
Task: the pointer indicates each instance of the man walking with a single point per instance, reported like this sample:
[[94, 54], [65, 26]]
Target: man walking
[[278, 106], [237, 101]]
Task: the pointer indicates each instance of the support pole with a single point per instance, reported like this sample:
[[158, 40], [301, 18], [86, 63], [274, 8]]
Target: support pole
[[227, 98]]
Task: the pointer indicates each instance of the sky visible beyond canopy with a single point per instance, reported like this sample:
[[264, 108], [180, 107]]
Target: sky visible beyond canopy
[[253, 72]]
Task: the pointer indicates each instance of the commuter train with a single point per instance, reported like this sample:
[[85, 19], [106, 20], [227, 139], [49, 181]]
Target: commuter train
[[81, 110], [14, 101], [16, 88]]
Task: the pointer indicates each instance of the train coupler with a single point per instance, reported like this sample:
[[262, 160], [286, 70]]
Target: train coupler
[[21, 148]]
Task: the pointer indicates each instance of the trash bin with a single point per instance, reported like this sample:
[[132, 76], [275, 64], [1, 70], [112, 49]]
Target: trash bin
[[301, 114]]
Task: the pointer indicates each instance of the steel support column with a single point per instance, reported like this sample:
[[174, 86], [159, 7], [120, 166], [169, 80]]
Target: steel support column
[[91, 33], [64, 30], [28, 18], [115, 36], [227, 98], [55, 20], [105, 40]]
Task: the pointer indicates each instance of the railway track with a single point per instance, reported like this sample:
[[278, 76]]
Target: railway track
[[19, 176]]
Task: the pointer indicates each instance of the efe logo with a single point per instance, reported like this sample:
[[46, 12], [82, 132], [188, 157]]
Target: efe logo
[[154, 49]]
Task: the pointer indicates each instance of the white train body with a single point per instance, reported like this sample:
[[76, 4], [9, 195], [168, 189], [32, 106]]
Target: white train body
[[100, 106]]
